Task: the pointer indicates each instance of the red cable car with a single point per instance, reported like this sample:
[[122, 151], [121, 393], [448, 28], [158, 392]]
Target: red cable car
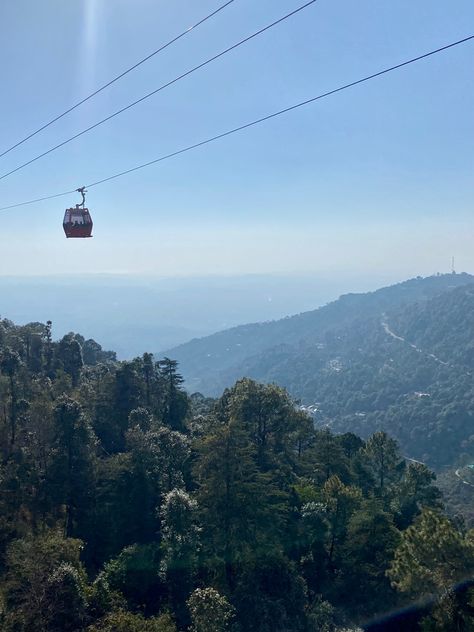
[[78, 221]]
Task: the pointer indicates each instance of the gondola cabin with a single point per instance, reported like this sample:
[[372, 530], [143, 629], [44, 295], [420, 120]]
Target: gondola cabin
[[77, 222]]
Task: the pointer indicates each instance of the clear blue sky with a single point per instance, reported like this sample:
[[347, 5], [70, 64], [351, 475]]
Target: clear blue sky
[[379, 177]]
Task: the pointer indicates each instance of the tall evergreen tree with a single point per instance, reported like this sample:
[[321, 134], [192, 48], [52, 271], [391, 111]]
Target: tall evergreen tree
[[175, 401], [10, 363], [69, 356], [71, 472], [241, 512]]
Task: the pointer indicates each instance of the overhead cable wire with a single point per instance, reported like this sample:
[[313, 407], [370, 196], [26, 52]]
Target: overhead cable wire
[[118, 77], [162, 87], [255, 122], [40, 199]]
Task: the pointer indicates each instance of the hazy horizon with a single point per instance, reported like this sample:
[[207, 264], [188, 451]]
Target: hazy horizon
[[131, 314]]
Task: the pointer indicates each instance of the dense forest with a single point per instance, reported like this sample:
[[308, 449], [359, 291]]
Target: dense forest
[[129, 506]]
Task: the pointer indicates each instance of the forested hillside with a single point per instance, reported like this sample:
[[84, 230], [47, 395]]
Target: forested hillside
[[418, 373], [128, 506], [212, 363], [403, 362]]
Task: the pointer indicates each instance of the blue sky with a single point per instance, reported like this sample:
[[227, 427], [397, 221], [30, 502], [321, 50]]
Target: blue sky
[[379, 177]]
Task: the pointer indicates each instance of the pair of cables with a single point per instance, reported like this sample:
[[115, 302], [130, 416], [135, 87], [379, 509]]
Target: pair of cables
[[149, 94], [218, 136]]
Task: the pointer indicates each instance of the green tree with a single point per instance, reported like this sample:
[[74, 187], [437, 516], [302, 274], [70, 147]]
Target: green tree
[[179, 530], [365, 557], [135, 573], [351, 444], [173, 454], [270, 418], [452, 613], [141, 418], [66, 599], [10, 363], [127, 395], [142, 485], [123, 621], [69, 356], [160, 453], [33, 336], [102, 599], [383, 456], [415, 491], [241, 510], [39, 570], [48, 348], [93, 353], [432, 556], [210, 611], [71, 471], [328, 458], [321, 617], [180, 544], [339, 503], [270, 595], [149, 375], [176, 403]]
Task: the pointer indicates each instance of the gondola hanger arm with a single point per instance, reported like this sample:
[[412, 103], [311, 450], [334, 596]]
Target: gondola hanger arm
[[82, 191]]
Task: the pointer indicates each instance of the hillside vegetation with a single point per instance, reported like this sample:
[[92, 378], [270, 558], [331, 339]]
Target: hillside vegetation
[[210, 364], [128, 506], [399, 359]]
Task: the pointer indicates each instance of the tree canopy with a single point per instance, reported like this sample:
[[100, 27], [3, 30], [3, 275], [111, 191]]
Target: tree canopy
[[128, 505]]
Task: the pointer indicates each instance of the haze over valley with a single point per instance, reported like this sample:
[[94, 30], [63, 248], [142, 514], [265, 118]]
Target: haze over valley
[[132, 314]]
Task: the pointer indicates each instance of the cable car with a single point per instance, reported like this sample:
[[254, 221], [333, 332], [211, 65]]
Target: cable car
[[78, 221]]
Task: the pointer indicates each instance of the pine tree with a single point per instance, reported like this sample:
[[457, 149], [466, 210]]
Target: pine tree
[[175, 404], [432, 556], [241, 512], [71, 472]]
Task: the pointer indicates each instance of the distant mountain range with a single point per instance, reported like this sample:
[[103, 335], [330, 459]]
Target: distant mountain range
[[400, 358]]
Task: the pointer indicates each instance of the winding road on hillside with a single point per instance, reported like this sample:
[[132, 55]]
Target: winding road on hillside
[[459, 475], [392, 334], [456, 472]]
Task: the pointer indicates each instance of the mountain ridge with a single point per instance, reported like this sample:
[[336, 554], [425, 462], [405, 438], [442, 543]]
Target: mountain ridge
[[213, 362]]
